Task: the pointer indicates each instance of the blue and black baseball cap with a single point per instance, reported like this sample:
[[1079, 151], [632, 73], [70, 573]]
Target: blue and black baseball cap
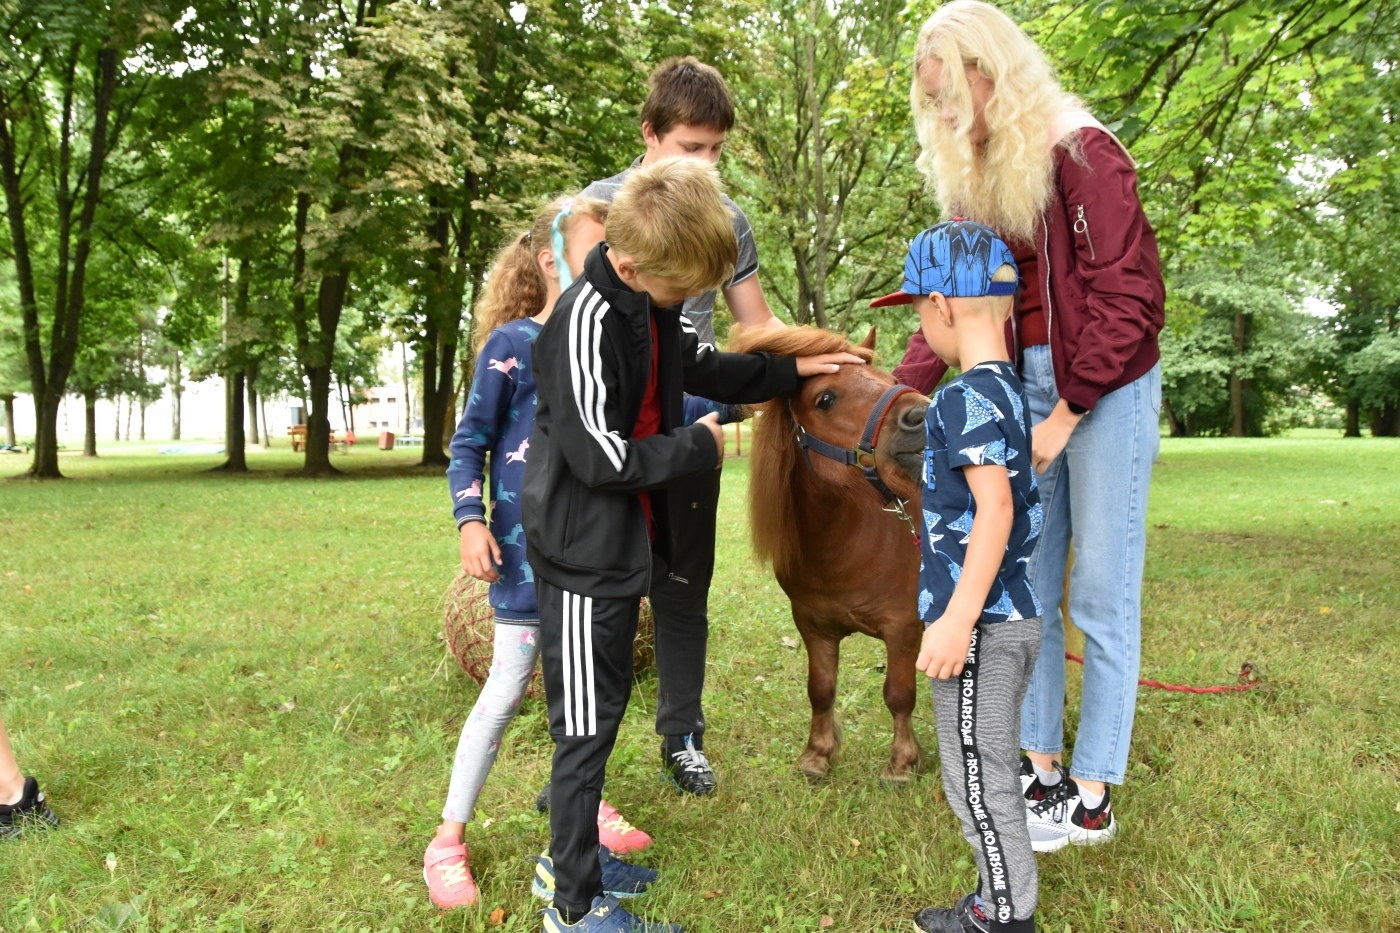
[[956, 258]]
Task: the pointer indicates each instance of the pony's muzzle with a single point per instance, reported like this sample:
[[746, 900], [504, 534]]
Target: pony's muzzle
[[907, 444]]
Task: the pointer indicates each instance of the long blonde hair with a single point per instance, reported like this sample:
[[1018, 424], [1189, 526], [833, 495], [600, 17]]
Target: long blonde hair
[[1008, 183], [515, 287]]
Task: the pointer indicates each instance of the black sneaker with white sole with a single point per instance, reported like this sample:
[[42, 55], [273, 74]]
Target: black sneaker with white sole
[[966, 916], [1033, 789], [31, 812], [1062, 819], [683, 761]]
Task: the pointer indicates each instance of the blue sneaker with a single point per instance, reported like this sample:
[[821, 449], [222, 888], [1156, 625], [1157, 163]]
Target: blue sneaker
[[620, 879], [607, 916]]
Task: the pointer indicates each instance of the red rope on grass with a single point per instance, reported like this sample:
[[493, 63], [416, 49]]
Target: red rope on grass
[[1249, 679]]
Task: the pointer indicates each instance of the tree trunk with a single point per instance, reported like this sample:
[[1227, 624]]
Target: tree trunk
[[117, 417], [10, 421], [177, 390], [68, 305], [1237, 383], [267, 430], [1174, 424], [234, 439], [90, 424], [330, 301], [1353, 428], [130, 407], [1385, 422], [250, 379]]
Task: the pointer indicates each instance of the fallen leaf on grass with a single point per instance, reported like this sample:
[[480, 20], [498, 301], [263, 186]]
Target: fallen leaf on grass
[[789, 641], [320, 841], [717, 892], [1163, 525], [76, 683], [29, 590], [1325, 610], [286, 707], [498, 917], [111, 863], [825, 921]]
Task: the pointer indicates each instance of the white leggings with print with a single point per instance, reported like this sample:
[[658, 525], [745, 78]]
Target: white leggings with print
[[517, 646]]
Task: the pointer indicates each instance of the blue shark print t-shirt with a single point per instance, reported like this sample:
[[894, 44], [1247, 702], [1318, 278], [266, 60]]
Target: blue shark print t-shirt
[[980, 417], [498, 420]]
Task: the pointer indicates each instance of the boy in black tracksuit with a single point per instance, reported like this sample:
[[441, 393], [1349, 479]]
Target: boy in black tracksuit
[[610, 367]]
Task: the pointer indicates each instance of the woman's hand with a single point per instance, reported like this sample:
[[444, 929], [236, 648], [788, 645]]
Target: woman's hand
[[481, 555], [1048, 439], [711, 421], [825, 363], [944, 648]]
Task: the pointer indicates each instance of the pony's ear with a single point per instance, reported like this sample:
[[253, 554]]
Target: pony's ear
[[869, 341]]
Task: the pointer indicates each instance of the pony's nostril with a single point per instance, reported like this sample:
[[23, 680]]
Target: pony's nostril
[[912, 418]]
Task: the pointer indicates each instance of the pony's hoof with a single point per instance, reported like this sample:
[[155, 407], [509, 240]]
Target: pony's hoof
[[814, 767], [898, 777]]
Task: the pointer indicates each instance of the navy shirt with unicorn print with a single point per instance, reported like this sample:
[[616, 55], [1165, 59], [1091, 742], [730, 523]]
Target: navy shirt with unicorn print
[[981, 417], [499, 417]]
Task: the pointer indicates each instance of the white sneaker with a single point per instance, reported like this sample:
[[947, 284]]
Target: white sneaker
[[1032, 789], [1062, 819]]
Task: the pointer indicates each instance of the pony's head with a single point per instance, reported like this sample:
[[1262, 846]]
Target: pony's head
[[834, 408]]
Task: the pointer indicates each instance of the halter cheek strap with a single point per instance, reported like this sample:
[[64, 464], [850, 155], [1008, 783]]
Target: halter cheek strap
[[863, 454]]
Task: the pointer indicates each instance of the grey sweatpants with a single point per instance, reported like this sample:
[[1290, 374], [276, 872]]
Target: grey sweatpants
[[979, 741]]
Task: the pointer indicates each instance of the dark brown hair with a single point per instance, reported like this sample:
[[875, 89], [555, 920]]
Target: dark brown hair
[[687, 92]]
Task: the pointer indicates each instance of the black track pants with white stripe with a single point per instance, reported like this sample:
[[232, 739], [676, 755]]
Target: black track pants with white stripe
[[586, 645], [979, 744]]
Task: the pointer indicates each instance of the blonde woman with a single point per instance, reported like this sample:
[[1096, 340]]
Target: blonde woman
[[1003, 144]]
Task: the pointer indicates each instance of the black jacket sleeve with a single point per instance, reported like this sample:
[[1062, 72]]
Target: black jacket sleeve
[[737, 378], [580, 379]]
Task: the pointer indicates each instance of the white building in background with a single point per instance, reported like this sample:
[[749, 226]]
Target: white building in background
[[202, 416]]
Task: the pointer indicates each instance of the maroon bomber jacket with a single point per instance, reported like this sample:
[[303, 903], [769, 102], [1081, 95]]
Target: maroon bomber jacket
[[1103, 292]]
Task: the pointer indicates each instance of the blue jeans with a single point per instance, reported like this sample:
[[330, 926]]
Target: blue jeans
[[1095, 495]]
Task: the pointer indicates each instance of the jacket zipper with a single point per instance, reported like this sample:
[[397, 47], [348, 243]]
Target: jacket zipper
[[1049, 303], [1082, 226]]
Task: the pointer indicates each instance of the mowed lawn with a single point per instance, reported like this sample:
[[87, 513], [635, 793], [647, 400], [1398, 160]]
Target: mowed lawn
[[234, 690]]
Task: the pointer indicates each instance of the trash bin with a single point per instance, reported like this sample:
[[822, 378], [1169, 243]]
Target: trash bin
[[386, 440]]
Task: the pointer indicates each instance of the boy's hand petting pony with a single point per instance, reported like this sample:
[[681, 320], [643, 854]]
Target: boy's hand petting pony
[[481, 555], [825, 363]]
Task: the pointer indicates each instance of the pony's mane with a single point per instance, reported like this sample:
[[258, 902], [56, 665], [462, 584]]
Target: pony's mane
[[775, 459]]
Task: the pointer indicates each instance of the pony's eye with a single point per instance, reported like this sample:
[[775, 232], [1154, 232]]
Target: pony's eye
[[825, 400]]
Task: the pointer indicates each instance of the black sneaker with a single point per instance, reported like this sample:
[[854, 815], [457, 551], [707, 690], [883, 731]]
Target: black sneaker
[[542, 801], [685, 764], [1033, 790], [964, 917], [32, 810]]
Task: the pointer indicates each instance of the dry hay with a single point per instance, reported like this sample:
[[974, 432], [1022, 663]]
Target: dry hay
[[469, 628]]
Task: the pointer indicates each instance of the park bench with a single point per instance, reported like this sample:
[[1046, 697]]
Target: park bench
[[297, 432]]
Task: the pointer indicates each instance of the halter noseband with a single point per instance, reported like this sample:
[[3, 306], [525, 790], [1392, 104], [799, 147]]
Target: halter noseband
[[863, 454]]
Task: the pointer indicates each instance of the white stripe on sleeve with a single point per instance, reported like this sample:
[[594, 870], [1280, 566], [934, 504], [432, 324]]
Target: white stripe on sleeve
[[585, 371]]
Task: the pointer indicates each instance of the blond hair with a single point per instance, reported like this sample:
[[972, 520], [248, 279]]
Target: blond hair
[[671, 220], [515, 287], [1008, 183]]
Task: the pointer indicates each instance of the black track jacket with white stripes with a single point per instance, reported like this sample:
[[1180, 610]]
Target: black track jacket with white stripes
[[584, 527]]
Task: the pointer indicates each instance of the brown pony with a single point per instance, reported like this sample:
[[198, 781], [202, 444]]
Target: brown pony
[[846, 561]]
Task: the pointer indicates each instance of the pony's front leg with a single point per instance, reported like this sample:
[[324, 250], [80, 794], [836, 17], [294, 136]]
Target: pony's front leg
[[902, 642], [823, 656]]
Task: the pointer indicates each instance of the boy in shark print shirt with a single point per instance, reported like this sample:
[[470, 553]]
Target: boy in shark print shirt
[[981, 516]]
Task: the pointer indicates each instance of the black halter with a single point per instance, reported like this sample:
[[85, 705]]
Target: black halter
[[863, 454]]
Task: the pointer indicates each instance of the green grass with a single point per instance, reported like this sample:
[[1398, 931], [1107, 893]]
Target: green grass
[[235, 692]]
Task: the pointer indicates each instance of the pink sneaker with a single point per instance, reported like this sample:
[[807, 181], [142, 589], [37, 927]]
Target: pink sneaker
[[617, 834], [450, 883]]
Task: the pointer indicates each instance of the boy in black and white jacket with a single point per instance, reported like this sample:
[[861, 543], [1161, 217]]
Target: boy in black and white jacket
[[610, 366]]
